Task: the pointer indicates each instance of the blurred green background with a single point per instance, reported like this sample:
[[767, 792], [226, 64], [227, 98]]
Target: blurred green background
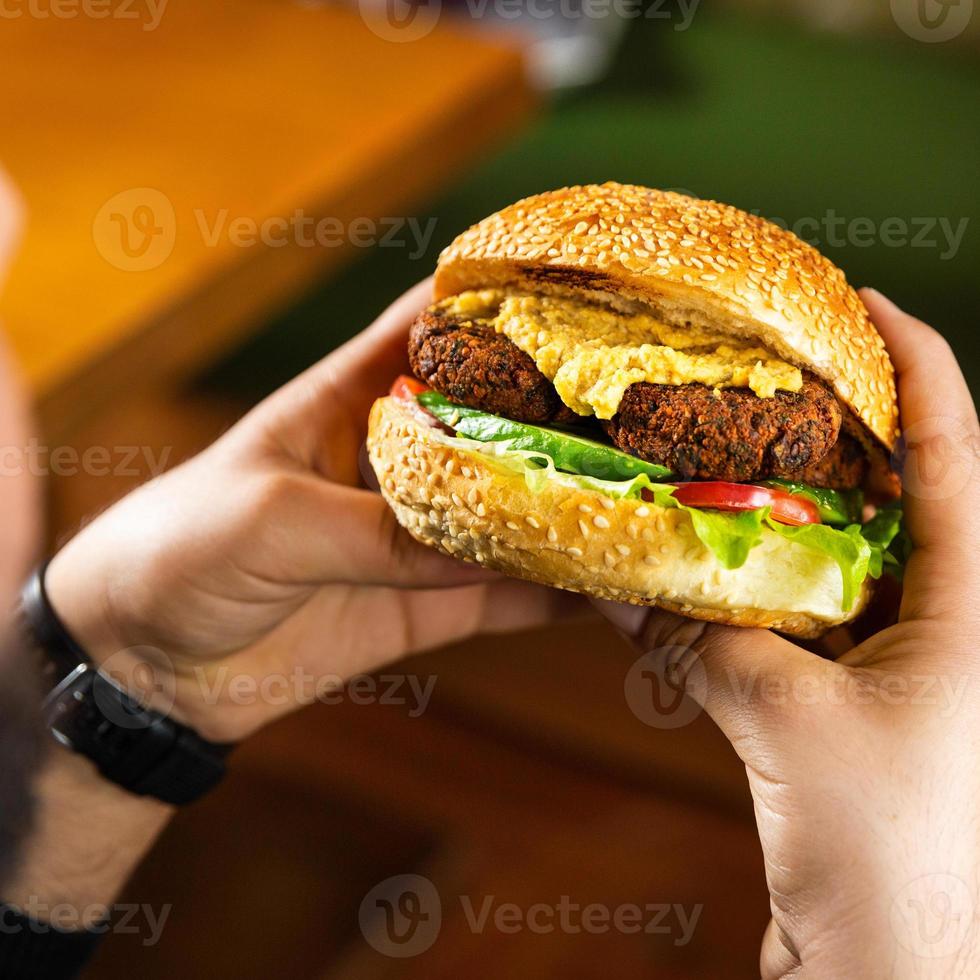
[[762, 112]]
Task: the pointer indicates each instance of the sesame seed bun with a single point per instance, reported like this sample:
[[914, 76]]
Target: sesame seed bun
[[687, 261], [460, 502]]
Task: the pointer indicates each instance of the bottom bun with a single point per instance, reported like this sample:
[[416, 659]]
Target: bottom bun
[[462, 502]]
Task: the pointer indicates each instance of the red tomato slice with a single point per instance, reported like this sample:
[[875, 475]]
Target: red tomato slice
[[407, 387], [786, 508]]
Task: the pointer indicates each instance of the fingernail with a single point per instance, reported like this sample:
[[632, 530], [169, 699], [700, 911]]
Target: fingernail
[[881, 298], [629, 619]]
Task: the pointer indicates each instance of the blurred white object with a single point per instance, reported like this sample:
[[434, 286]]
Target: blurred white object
[[566, 47], [568, 42]]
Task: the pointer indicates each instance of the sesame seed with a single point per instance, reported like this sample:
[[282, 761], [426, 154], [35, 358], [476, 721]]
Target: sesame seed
[[623, 549], [513, 525], [607, 503], [584, 528], [600, 521], [574, 552], [533, 521], [642, 511], [552, 535], [585, 508]]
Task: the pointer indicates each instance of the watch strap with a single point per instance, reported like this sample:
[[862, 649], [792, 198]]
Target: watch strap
[[136, 747]]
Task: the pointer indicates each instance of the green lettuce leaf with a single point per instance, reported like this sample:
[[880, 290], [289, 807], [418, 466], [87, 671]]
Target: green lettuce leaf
[[890, 543], [730, 536], [569, 452], [846, 547]]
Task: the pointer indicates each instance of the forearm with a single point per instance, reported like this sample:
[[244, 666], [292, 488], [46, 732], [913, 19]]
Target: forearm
[[88, 837]]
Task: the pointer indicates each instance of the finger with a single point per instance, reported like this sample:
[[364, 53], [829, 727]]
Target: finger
[[383, 624], [511, 605], [939, 442], [339, 534], [936, 457], [741, 677], [778, 957]]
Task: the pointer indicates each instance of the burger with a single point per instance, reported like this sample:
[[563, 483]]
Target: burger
[[651, 398]]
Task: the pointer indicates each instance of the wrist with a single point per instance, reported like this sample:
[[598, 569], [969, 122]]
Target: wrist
[[93, 608], [88, 836]]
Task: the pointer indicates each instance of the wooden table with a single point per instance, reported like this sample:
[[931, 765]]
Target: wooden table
[[132, 145]]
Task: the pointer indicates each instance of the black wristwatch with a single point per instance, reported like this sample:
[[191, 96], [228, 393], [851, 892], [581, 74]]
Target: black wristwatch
[[136, 747]]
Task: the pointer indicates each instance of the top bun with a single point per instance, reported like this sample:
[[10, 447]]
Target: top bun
[[689, 261]]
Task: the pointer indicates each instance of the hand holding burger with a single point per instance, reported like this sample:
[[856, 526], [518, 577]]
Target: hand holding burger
[[862, 772]]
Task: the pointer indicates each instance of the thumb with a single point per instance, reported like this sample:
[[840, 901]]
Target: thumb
[[745, 679]]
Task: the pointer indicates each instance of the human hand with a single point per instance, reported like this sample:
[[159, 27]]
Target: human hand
[[864, 771], [261, 557]]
